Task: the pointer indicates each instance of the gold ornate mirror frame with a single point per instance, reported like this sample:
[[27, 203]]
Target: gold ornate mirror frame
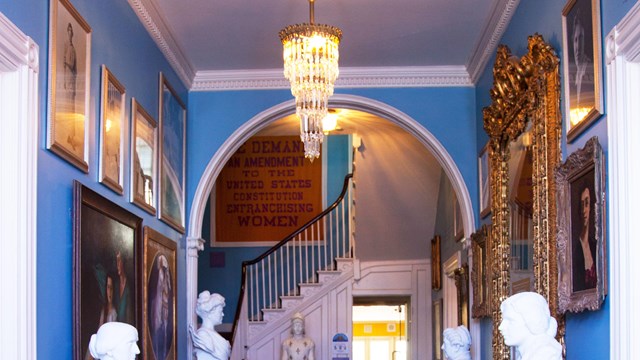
[[524, 89]]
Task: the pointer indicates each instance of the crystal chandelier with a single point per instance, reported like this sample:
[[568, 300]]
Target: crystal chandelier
[[311, 65]]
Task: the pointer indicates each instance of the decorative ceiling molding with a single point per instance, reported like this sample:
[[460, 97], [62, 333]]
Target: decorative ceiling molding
[[419, 76], [160, 32], [373, 77], [494, 29]]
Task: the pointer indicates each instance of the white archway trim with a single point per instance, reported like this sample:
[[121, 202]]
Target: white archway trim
[[354, 102], [261, 120], [623, 90], [18, 191]]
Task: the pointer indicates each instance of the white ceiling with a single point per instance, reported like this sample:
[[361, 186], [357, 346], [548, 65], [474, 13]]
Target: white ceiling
[[214, 40]]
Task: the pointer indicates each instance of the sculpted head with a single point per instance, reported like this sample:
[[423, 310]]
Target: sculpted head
[[210, 306], [457, 342], [526, 315], [297, 324], [114, 341]]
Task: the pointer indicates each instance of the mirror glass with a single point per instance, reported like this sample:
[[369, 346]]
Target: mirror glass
[[521, 212]]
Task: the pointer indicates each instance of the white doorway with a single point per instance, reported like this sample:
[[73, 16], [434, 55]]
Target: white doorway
[[380, 329]]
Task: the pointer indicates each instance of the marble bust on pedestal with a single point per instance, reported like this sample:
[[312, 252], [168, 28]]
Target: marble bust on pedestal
[[208, 344], [457, 343], [114, 341]]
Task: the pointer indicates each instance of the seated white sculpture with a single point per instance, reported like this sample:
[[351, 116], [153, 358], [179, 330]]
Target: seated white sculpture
[[457, 343], [208, 344], [114, 341], [298, 346], [528, 325]]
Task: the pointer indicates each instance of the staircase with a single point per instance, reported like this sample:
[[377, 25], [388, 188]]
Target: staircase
[[291, 276]]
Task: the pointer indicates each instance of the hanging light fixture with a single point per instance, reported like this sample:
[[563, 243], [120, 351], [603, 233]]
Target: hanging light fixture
[[310, 57]]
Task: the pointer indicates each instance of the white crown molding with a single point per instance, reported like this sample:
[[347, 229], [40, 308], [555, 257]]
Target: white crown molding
[[369, 77], [158, 28], [494, 29]]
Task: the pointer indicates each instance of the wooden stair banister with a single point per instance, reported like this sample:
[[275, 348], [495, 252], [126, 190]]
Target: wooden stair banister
[[289, 238]]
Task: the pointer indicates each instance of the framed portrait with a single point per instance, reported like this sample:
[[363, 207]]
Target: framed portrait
[[159, 296], [173, 125], [461, 277], [436, 267], [144, 150], [437, 329], [484, 182], [481, 274], [69, 83], [581, 230], [106, 246], [458, 231], [112, 113], [582, 65]]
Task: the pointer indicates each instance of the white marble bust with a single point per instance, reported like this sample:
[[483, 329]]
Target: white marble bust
[[528, 325], [457, 343], [114, 341], [208, 344], [298, 346]]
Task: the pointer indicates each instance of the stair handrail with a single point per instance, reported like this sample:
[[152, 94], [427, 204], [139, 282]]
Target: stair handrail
[[245, 264]]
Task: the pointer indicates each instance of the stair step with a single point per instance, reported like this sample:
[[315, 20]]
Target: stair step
[[272, 314], [326, 275], [344, 264], [290, 301], [307, 289]]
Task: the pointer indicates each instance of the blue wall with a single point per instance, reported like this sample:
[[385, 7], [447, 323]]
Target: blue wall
[[448, 113], [585, 337], [133, 57]]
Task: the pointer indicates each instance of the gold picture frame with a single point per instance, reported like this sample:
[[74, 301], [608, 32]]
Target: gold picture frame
[[112, 126], [144, 164], [481, 272], [436, 267], [461, 277], [159, 297], [581, 198], [68, 110], [582, 65]]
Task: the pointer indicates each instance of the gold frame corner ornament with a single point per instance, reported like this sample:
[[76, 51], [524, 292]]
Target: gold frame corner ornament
[[525, 89]]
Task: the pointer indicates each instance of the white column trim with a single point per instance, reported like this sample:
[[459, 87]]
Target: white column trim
[[623, 90], [194, 246], [18, 191]]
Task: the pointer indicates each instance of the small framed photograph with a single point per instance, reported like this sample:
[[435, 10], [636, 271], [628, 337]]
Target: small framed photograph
[[437, 329], [144, 149], [160, 296], [106, 246], [173, 126], [581, 229], [484, 176], [436, 267], [481, 272], [69, 83], [112, 113], [461, 277], [582, 65], [458, 230]]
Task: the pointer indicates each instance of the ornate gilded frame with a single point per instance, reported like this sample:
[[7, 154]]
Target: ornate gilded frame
[[461, 277], [584, 169], [524, 89], [436, 266], [481, 273]]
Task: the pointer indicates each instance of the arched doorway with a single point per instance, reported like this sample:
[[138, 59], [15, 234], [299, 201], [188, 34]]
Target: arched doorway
[[260, 121]]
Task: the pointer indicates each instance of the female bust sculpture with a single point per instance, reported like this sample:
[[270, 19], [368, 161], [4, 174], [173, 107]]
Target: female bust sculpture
[[457, 342], [298, 346], [527, 324], [208, 344], [114, 341]]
